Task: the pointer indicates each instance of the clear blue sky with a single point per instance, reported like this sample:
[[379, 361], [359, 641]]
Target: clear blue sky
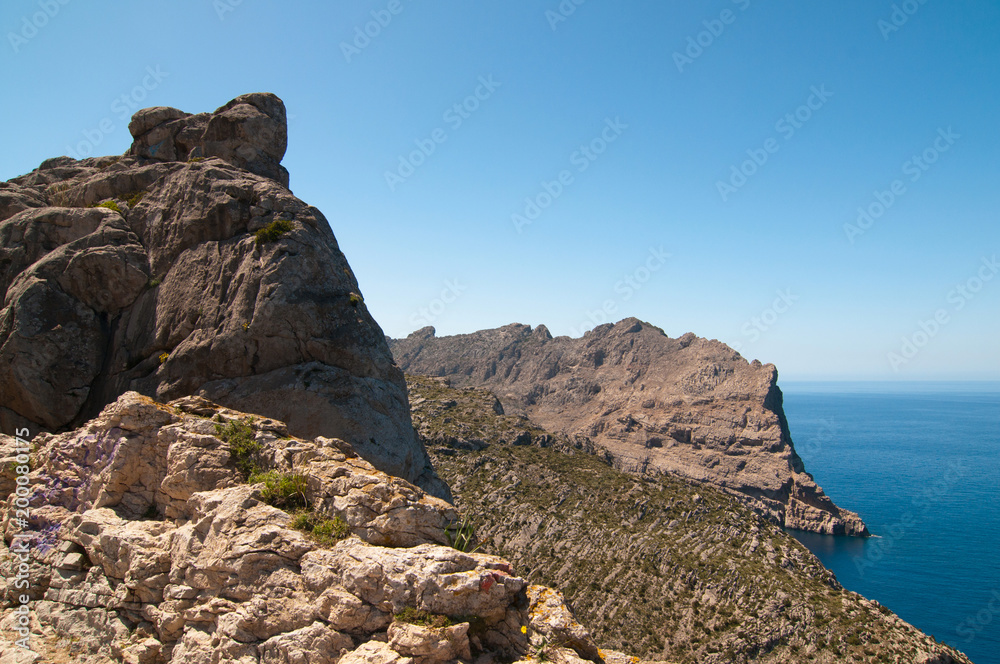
[[680, 125]]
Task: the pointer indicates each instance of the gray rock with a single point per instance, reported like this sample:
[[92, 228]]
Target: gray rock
[[170, 293]]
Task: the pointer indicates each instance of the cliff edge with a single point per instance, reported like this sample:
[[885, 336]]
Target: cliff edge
[[688, 406]]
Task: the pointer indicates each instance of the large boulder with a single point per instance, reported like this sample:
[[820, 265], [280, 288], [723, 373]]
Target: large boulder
[[188, 267]]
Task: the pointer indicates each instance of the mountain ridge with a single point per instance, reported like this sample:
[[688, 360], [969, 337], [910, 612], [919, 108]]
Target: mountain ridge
[[689, 406]]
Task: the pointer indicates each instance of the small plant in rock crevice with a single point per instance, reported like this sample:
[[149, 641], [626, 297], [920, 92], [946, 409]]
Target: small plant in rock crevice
[[273, 231], [319, 528], [282, 490], [243, 445], [111, 205], [415, 616], [461, 536]]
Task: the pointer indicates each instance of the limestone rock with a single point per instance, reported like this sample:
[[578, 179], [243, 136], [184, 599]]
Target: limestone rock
[[148, 546], [375, 652], [552, 620], [689, 406], [430, 644], [168, 292]]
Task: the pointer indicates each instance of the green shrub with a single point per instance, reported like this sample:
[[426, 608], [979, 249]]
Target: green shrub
[[355, 299], [423, 618], [273, 231], [134, 198], [243, 445], [282, 490], [153, 283], [111, 205], [321, 529]]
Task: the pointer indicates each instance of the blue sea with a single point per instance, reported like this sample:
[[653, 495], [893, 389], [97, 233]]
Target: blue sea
[[920, 462]]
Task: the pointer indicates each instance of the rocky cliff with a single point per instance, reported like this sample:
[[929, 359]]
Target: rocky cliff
[[188, 267], [136, 538], [657, 565], [688, 406]]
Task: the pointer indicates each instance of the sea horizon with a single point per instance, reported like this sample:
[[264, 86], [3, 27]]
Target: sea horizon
[[917, 460]]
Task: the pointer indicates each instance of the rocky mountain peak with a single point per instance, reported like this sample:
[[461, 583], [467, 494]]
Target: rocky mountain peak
[[250, 132], [186, 266]]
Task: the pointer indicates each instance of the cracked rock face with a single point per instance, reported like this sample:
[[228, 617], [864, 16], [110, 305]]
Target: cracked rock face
[[146, 545], [689, 406], [167, 291]]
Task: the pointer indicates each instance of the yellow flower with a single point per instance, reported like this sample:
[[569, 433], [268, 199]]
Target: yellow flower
[[163, 357], [524, 630]]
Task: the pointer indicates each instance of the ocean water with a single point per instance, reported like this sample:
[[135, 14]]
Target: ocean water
[[920, 462]]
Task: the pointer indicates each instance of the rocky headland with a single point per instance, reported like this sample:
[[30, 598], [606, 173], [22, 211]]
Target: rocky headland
[[688, 406]]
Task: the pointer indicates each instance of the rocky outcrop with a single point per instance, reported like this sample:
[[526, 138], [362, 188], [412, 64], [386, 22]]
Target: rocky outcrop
[[656, 565], [198, 272], [688, 406], [145, 545]]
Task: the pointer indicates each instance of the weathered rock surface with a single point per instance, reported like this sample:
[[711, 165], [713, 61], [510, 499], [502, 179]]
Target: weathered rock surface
[[688, 406], [656, 565], [146, 546], [171, 294]]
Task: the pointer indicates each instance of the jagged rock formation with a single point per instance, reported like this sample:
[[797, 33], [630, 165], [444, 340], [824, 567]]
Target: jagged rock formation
[[166, 289], [146, 546], [688, 406], [655, 564]]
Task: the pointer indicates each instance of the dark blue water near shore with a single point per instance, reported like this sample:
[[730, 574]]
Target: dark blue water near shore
[[921, 464]]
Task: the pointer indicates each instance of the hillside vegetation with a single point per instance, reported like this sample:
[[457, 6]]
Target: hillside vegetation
[[657, 566]]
